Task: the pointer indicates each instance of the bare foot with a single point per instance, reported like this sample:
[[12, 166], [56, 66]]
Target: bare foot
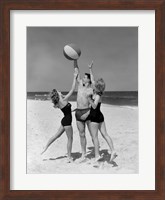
[[98, 158], [69, 160], [44, 149], [82, 159], [113, 156]]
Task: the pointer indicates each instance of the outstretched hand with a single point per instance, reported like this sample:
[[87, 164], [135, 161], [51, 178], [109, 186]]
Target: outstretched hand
[[90, 65]]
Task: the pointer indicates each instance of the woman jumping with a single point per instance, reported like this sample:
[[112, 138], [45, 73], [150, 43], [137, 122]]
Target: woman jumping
[[60, 101], [96, 117]]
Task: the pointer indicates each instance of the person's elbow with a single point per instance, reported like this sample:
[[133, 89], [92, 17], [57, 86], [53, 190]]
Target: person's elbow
[[94, 106], [73, 88]]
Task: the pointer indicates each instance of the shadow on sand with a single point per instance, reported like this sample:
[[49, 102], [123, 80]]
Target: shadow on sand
[[104, 154], [90, 155], [75, 156]]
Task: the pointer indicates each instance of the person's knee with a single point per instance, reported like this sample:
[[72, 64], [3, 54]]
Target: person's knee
[[95, 137], [82, 134], [104, 134], [71, 137]]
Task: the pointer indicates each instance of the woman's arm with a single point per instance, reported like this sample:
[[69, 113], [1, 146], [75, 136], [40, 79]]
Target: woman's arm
[[91, 72], [94, 102], [76, 68], [73, 87]]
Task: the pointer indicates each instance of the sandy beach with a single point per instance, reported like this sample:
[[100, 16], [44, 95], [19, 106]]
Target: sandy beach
[[43, 121]]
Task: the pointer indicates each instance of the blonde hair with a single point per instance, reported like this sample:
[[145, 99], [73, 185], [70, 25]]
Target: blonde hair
[[54, 97], [99, 86]]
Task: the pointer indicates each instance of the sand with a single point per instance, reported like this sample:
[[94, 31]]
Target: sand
[[43, 121]]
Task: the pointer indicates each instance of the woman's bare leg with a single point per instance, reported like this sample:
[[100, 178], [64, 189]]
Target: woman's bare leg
[[53, 138], [94, 133], [103, 130], [69, 133], [89, 129]]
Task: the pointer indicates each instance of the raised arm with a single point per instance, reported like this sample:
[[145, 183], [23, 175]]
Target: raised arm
[[91, 72], [73, 87], [76, 68]]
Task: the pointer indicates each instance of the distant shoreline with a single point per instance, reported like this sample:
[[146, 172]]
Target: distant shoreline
[[106, 104], [123, 98]]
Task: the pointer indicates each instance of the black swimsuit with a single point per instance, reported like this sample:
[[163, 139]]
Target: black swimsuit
[[96, 115], [67, 119]]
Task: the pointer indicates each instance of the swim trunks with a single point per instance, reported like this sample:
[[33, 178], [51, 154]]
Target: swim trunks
[[67, 119], [80, 112]]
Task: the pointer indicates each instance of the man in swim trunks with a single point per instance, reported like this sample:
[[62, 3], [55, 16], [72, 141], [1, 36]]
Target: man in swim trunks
[[83, 107]]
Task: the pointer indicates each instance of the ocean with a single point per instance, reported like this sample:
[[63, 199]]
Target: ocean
[[122, 98]]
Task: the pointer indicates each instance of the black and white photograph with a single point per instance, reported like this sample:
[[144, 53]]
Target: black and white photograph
[[82, 100]]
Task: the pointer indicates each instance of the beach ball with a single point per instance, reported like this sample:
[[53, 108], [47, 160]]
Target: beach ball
[[72, 51]]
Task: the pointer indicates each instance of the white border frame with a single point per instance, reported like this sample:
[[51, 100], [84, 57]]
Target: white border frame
[[145, 180]]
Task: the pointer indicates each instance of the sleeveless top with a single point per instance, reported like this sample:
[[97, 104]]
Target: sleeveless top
[[96, 114]]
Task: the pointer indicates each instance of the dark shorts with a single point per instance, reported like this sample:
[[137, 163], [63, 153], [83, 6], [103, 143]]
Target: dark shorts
[[80, 112], [97, 118], [66, 120]]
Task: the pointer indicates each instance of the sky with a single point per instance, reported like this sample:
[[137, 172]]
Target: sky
[[114, 51]]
